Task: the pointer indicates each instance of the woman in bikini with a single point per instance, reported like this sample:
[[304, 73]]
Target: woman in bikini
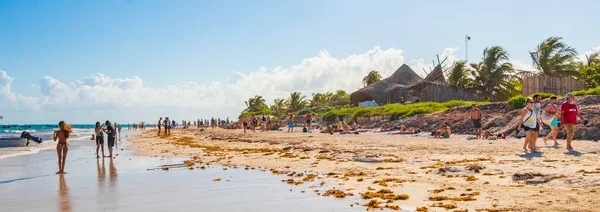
[[99, 139], [62, 147], [552, 110]]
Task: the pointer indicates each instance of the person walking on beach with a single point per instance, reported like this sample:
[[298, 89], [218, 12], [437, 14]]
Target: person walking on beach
[[212, 123], [537, 108], [552, 111], [62, 147], [308, 118], [245, 122], [528, 122], [569, 114], [110, 131], [291, 123], [99, 139], [159, 123], [476, 118]]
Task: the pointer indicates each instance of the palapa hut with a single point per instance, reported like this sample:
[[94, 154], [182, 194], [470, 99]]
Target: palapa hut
[[406, 86], [434, 89], [380, 91]]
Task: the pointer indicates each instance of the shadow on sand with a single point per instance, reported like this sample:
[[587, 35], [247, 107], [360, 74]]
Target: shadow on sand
[[530, 155]]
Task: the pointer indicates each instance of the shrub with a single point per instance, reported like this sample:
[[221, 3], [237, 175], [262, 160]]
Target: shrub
[[591, 91], [517, 101]]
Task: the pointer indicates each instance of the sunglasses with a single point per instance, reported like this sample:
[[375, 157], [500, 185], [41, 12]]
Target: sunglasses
[[529, 102]]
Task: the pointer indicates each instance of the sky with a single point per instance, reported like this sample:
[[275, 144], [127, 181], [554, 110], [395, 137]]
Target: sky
[[133, 61]]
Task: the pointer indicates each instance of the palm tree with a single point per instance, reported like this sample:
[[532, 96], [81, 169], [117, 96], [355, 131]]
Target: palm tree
[[493, 76], [278, 107], [458, 76], [555, 58], [255, 104], [296, 102], [592, 59], [318, 100], [371, 78]]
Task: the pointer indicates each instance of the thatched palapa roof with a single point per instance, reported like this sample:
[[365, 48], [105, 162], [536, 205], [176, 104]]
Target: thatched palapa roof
[[378, 91]]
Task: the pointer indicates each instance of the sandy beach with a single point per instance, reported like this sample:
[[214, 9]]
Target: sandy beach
[[379, 170]]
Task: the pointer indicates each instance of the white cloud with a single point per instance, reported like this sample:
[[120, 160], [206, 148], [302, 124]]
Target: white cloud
[[582, 57], [100, 97]]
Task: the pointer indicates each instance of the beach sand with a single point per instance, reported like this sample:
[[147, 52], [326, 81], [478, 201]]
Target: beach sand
[[28, 183], [456, 173]]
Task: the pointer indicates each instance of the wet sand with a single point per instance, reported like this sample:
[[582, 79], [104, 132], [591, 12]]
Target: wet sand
[[454, 173], [28, 183]]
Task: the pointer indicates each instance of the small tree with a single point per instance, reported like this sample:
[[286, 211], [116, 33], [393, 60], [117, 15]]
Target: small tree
[[371, 78]]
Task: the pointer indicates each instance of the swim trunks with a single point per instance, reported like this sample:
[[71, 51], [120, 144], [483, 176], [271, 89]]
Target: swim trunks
[[477, 123], [290, 124], [99, 140], [245, 124], [111, 142]]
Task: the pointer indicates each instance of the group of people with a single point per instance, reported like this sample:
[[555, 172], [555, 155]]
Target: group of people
[[533, 118], [111, 133], [264, 122]]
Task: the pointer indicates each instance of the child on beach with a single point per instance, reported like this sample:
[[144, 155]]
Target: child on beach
[[62, 147]]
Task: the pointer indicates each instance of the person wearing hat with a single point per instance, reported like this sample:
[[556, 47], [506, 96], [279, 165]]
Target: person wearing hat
[[569, 114], [110, 130]]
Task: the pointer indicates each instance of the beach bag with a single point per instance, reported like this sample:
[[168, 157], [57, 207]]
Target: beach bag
[[547, 119], [304, 129]]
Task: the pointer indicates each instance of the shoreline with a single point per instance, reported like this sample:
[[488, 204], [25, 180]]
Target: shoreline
[[425, 169]]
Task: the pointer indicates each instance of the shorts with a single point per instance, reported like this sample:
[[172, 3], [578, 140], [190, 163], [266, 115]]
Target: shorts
[[245, 124], [554, 123], [99, 140], [313, 122], [111, 142], [290, 124], [530, 129], [169, 127], [570, 130], [477, 123]]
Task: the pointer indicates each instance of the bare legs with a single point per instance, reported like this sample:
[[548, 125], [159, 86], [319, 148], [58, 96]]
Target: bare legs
[[529, 141], [61, 151], [552, 135]]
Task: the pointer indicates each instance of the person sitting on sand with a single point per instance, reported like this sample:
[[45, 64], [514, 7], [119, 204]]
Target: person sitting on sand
[[444, 132], [385, 127], [404, 131], [62, 147], [487, 135]]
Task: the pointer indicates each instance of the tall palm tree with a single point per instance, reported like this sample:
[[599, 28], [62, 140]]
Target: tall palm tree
[[371, 78], [296, 102], [459, 75], [318, 100], [278, 107], [255, 104], [493, 76], [555, 58]]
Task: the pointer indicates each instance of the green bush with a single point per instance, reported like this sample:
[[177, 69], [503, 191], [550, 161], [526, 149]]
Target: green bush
[[591, 91], [517, 101]]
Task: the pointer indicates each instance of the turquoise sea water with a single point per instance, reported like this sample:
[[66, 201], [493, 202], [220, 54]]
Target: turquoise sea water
[[44, 131]]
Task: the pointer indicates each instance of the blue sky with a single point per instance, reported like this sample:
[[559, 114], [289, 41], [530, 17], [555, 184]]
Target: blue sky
[[175, 42]]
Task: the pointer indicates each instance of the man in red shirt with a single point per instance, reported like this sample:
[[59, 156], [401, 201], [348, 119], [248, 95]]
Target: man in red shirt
[[569, 114]]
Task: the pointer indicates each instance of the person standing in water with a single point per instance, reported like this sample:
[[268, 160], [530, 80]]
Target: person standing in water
[[552, 110], [110, 131], [62, 147], [569, 114], [99, 139]]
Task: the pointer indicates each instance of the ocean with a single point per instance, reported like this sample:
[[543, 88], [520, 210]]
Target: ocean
[[80, 132]]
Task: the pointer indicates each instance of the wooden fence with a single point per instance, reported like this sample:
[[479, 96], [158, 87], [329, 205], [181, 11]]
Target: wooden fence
[[556, 85], [442, 93]]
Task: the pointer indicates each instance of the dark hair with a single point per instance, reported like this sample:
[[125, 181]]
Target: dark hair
[[98, 123], [553, 97], [473, 105], [536, 95]]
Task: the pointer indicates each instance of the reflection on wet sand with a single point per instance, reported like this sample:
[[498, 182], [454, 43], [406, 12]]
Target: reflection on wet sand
[[63, 194], [112, 174]]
